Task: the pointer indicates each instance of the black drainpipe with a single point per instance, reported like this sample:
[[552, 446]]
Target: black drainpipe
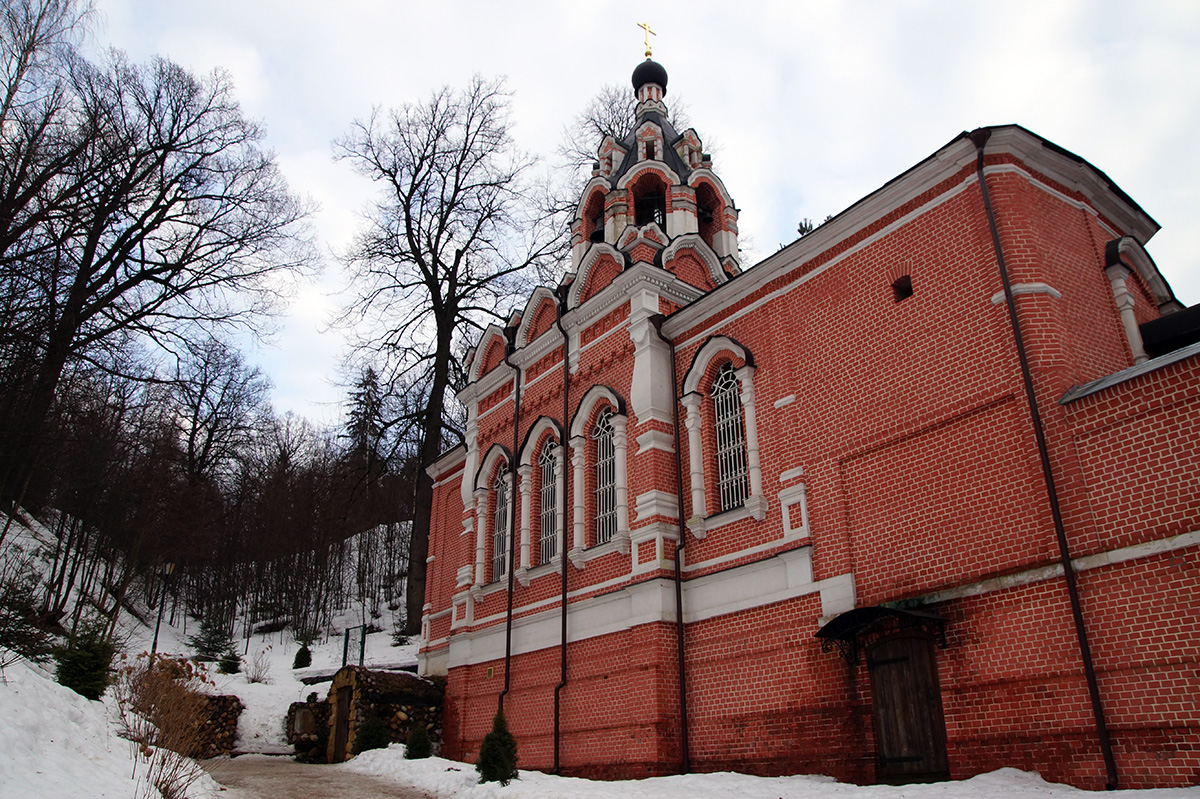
[[979, 138], [510, 333], [562, 555], [685, 754]]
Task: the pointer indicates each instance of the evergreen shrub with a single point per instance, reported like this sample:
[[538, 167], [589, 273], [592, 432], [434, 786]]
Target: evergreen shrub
[[498, 753], [212, 642], [303, 658], [230, 663], [418, 745], [84, 663]]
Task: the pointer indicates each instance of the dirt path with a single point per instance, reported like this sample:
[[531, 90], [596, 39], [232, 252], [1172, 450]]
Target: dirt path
[[262, 777]]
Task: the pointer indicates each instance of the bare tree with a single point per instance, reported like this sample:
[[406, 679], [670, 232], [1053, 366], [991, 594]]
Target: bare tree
[[167, 214], [611, 112], [449, 243], [219, 399]]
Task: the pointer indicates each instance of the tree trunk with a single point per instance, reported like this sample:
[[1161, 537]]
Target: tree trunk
[[431, 448]]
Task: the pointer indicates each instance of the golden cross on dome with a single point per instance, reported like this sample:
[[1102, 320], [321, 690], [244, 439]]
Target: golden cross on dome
[[646, 27]]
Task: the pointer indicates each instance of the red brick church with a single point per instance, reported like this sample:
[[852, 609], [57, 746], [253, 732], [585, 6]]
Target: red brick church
[[914, 498]]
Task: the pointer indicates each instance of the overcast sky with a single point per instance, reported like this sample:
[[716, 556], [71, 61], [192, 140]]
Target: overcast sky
[[807, 106]]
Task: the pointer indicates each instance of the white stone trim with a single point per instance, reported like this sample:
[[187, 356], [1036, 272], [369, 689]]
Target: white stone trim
[[787, 575], [1117, 275], [1019, 289], [784, 401], [791, 474], [652, 389], [655, 439], [1086, 563], [794, 498], [657, 503]]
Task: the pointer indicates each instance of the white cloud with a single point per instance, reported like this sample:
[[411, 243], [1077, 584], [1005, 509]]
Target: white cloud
[[811, 105]]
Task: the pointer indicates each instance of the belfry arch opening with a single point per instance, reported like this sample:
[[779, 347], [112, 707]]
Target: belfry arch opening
[[708, 206], [593, 218], [649, 194]]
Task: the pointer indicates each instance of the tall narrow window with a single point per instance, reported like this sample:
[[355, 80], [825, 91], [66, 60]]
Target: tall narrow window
[[731, 439], [606, 478], [500, 526], [548, 538]]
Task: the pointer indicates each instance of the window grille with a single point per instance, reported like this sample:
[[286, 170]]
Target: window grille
[[731, 439], [548, 538], [500, 526], [606, 478]]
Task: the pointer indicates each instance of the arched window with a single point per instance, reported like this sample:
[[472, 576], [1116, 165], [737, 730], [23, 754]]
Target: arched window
[[722, 433], [732, 472], [606, 478], [500, 525], [548, 535]]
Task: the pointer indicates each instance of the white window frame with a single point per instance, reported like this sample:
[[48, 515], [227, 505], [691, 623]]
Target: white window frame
[[581, 429], [755, 504]]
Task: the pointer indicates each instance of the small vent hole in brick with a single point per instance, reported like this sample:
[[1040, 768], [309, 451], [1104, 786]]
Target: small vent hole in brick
[[902, 288]]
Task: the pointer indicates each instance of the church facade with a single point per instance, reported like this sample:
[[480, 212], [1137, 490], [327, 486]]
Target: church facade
[[914, 498]]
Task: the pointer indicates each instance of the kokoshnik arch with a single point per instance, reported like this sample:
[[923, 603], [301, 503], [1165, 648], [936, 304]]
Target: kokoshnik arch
[[915, 497]]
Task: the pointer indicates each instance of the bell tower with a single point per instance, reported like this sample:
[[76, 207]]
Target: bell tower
[[654, 194]]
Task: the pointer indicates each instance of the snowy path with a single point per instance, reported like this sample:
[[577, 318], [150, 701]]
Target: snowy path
[[262, 777]]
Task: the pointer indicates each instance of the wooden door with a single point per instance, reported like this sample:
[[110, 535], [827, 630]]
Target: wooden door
[[341, 724], [910, 728]]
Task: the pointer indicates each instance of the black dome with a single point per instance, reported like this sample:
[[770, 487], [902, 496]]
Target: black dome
[[649, 72]]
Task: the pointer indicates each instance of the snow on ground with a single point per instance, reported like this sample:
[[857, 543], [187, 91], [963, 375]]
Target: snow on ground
[[55, 743], [448, 778], [261, 726]]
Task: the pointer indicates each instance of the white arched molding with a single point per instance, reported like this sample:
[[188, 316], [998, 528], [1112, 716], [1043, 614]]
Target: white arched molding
[[756, 504], [662, 169], [539, 295], [594, 253], [693, 242], [585, 196], [481, 349], [483, 486], [580, 435], [533, 439], [1130, 251]]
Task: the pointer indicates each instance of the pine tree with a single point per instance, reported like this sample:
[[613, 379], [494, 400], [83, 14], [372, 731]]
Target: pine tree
[[212, 642]]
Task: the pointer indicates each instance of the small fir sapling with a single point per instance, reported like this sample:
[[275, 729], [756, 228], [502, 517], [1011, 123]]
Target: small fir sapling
[[498, 753], [303, 658], [230, 663], [212, 642], [85, 660], [418, 745]]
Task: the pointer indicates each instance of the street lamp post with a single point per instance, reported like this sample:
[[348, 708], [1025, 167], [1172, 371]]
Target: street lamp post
[[167, 568]]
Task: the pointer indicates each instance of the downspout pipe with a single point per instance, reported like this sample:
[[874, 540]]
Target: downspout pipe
[[685, 765], [510, 334], [561, 293], [979, 138]]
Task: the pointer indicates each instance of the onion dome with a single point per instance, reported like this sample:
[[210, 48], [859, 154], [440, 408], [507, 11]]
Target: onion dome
[[649, 72]]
